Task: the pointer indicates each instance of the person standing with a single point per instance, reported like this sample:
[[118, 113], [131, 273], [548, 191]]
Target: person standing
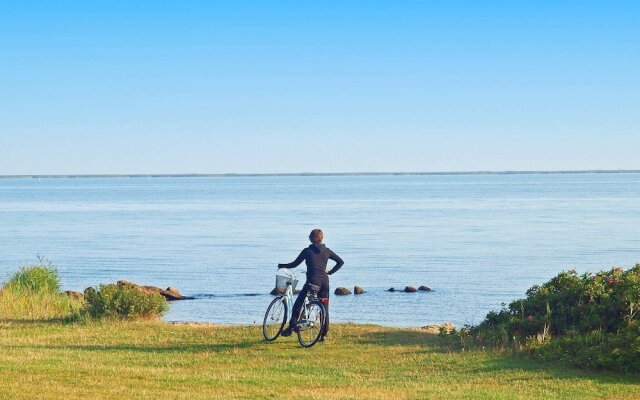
[[316, 256]]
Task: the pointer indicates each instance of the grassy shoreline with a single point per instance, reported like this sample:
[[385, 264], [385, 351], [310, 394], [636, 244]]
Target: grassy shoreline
[[55, 346], [155, 359]]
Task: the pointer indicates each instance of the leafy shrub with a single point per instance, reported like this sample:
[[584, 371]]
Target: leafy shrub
[[597, 350], [589, 320], [124, 302], [33, 293]]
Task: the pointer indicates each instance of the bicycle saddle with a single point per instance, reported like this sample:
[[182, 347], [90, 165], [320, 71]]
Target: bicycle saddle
[[314, 288]]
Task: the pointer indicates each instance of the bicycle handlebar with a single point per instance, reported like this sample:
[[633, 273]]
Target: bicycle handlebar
[[289, 272]]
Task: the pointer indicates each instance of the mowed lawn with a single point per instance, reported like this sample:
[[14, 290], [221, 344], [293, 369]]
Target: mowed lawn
[[156, 360]]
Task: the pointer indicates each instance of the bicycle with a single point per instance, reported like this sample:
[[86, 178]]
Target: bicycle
[[311, 321]]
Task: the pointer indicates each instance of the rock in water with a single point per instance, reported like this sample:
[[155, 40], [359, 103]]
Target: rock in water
[[410, 289], [169, 293], [392, 290], [425, 288], [342, 291], [74, 295], [358, 290]]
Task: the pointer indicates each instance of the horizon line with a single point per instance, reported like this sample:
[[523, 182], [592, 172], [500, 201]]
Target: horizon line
[[274, 174]]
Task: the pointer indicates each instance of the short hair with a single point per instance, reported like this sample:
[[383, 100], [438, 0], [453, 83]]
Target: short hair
[[316, 236]]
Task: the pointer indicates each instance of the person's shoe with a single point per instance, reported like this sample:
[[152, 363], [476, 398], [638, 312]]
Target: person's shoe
[[323, 338], [286, 332]]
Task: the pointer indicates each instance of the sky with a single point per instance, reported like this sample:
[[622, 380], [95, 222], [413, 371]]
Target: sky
[[124, 87]]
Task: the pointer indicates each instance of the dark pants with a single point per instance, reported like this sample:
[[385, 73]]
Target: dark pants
[[323, 282]]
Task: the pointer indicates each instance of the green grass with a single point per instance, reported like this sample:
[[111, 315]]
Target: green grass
[[157, 360]]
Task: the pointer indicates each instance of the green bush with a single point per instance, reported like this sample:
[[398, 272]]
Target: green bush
[[41, 278], [589, 320], [124, 302], [597, 350]]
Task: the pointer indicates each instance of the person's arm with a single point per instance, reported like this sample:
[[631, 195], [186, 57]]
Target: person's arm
[[295, 262], [339, 263]]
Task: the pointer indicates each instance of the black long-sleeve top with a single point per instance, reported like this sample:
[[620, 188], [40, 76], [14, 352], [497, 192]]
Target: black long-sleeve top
[[316, 257]]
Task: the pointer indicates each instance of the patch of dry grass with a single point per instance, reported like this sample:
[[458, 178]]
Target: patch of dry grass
[[37, 305], [32, 293]]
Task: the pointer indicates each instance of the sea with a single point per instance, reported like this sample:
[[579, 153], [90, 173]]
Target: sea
[[477, 240]]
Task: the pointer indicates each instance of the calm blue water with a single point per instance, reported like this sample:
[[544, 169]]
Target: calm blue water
[[477, 240]]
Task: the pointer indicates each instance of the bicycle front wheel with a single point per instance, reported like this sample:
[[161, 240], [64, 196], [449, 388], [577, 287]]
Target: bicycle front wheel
[[310, 328], [274, 319]]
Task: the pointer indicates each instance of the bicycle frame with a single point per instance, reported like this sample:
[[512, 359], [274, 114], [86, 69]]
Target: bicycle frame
[[303, 318], [287, 297]]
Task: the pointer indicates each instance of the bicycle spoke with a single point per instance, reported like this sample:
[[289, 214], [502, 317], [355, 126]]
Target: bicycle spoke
[[311, 326], [274, 319]]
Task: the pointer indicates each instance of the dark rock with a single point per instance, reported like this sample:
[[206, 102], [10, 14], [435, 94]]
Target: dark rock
[[169, 293], [392, 290], [358, 290], [425, 288], [173, 294], [342, 291], [410, 289], [170, 296], [74, 295]]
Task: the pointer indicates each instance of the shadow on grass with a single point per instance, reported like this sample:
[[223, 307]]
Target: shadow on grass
[[403, 338], [36, 321], [502, 361], [129, 348], [492, 362]]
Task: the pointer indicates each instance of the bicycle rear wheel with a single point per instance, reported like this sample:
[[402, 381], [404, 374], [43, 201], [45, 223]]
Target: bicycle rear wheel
[[310, 329], [274, 319]]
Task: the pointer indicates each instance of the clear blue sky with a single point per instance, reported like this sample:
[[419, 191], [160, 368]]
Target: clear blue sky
[[268, 86]]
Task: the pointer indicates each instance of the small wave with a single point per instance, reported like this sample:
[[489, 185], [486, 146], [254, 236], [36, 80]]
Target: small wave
[[225, 295]]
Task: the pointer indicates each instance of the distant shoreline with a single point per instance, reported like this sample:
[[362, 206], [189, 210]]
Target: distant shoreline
[[286, 174]]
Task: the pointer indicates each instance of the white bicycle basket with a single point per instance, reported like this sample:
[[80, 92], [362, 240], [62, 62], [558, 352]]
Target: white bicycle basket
[[281, 282]]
